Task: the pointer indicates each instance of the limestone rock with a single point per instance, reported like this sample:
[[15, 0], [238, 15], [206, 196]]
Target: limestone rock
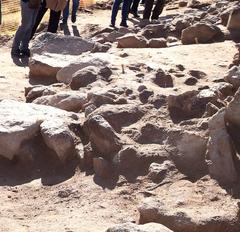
[[102, 167], [20, 123], [131, 227], [233, 110], [99, 60], [37, 92], [120, 116], [83, 77], [60, 44], [132, 159], [157, 43], [201, 33], [102, 136], [69, 100], [132, 41], [221, 152], [154, 31], [45, 65], [189, 152], [163, 79], [234, 19], [186, 206], [233, 76], [191, 103], [157, 172], [58, 137]]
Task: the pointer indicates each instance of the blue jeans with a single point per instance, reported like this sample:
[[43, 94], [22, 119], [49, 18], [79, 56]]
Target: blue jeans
[[74, 9], [23, 34], [125, 10]]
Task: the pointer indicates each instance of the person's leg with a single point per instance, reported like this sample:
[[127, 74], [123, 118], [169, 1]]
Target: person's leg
[[41, 12], [53, 21], [115, 9], [74, 10], [148, 9], [134, 7], [158, 9], [32, 15], [22, 36], [66, 12], [125, 11]]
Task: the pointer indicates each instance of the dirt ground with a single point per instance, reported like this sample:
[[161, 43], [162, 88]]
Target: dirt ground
[[83, 203]]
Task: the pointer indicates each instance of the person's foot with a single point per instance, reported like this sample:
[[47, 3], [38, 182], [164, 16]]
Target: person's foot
[[155, 21], [73, 18], [112, 25], [64, 21], [135, 14], [16, 53], [123, 24], [144, 22], [26, 53]]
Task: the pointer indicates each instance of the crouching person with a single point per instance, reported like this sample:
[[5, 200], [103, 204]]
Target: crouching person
[[29, 11]]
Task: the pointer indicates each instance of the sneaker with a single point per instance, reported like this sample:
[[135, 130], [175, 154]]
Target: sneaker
[[26, 53], [16, 53], [73, 18], [123, 24]]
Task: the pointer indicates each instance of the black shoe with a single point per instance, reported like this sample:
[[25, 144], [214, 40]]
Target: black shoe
[[73, 18], [123, 24], [135, 14], [16, 53], [112, 25], [26, 53]]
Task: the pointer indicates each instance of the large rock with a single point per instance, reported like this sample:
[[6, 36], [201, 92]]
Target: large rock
[[189, 153], [21, 122], [221, 152], [131, 227], [120, 116], [233, 110], [132, 41], [68, 100], [99, 60], [191, 103], [201, 33], [234, 19], [102, 136], [46, 66], [84, 77], [60, 44], [233, 76], [53, 52], [136, 160], [31, 93], [157, 43], [186, 206], [154, 31], [58, 137]]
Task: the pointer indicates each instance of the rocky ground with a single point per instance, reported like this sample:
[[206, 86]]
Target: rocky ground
[[125, 130]]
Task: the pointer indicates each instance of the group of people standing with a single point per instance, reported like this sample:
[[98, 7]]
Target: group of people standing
[[33, 11], [131, 6]]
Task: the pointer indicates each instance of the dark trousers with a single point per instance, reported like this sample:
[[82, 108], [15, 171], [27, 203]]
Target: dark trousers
[[53, 20], [156, 11], [125, 10], [134, 7]]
